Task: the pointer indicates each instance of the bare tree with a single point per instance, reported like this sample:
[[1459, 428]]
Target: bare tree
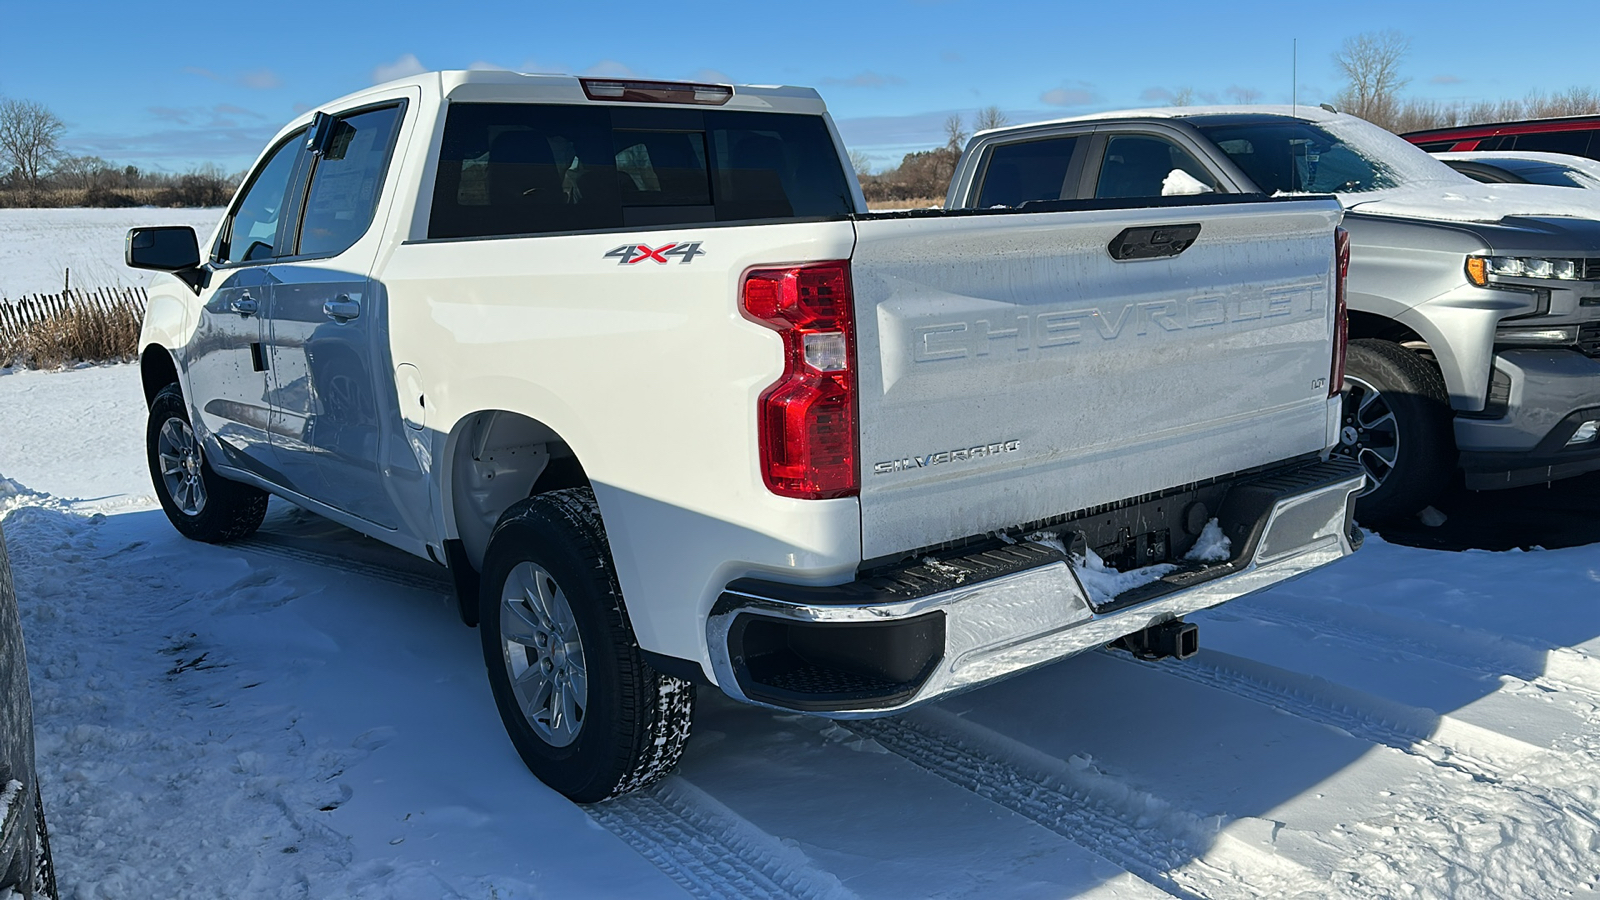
[[1420, 115], [955, 133], [1183, 97], [1246, 95], [989, 117], [28, 136], [860, 162], [1370, 63]]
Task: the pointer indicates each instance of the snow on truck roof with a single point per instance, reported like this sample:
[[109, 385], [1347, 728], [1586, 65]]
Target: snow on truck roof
[[1308, 113]]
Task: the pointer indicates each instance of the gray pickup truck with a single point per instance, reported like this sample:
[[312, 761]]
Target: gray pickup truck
[[1474, 309]]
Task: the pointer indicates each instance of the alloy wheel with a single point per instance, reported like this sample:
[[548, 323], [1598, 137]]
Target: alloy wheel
[[1369, 432], [181, 466], [543, 654]]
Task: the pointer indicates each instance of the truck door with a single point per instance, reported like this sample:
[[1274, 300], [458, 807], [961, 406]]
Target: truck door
[[334, 403], [227, 368]]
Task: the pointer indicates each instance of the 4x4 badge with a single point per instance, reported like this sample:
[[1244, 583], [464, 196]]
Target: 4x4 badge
[[628, 254]]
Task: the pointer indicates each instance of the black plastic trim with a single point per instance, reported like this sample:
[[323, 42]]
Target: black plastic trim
[[1551, 460], [681, 669], [834, 667], [467, 581]]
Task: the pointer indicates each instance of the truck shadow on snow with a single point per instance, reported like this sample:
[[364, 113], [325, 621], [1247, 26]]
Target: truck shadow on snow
[[1313, 709], [1563, 514]]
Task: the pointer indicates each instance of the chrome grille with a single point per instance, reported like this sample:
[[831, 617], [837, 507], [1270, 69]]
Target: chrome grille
[[1591, 269]]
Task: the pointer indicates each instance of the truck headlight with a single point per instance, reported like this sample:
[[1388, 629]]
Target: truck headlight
[[1480, 268], [1536, 336]]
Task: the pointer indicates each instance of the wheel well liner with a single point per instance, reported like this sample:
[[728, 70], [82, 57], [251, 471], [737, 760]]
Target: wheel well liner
[[498, 459], [156, 370], [1372, 325]]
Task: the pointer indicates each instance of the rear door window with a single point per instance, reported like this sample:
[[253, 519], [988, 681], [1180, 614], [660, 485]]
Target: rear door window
[[519, 168], [1029, 170], [347, 179], [1144, 165]]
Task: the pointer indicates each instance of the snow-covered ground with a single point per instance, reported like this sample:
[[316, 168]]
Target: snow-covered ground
[[302, 715], [37, 246]]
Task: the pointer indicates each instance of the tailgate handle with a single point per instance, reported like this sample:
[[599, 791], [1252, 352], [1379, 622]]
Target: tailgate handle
[[1152, 241]]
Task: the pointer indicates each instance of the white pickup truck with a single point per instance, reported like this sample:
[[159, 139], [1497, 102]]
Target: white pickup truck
[[632, 360]]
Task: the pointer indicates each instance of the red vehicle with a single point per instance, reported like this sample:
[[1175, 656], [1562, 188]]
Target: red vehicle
[[1577, 135]]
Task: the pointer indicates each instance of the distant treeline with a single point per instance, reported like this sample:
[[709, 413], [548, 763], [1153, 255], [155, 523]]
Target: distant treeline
[[91, 181]]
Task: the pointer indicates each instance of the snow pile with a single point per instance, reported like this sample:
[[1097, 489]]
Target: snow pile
[[1104, 583], [8, 796], [1179, 183], [1100, 581], [37, 246], [1476, 202], [1212, 546]]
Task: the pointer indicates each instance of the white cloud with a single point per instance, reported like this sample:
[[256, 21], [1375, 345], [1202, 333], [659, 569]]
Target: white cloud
[[865, 80], [610, 68], [407, 64], [1068, 96], [710, 76], [260, 79], [1445, 79]]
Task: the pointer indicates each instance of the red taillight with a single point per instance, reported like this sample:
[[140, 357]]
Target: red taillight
[[806, 421], [1341, 310]]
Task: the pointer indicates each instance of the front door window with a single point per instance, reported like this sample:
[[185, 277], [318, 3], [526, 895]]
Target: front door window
[[252, 229]]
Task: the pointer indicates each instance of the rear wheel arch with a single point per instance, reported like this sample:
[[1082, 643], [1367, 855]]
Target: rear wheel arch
[[496, 458]]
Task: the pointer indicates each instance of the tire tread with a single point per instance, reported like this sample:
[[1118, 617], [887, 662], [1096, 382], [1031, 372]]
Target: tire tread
[[655, 710]]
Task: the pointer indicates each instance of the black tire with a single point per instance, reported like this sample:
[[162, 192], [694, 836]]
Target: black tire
[[1397, 423], [44, 866], [227, 511], [633, 722]]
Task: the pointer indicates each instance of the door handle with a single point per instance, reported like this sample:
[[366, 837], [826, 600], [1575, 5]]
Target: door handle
[[1153, 242], [341, 309], [245, 306]]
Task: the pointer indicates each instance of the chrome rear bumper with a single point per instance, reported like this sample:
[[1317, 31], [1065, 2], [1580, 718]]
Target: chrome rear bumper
[[961, 638]]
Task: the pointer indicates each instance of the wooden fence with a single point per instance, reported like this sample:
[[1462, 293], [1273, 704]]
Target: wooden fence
[[47, 330]]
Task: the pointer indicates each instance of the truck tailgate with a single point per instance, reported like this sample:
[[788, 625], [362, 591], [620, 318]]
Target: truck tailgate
[[1011, 370]]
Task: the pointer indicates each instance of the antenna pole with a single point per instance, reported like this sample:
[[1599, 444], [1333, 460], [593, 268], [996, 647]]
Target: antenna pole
[[1294, 76]]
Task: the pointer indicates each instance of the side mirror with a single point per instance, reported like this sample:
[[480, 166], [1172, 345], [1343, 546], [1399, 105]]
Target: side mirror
[[164, 248]]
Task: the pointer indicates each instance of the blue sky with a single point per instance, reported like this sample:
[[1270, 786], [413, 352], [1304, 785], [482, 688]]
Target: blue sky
[[170, 85]]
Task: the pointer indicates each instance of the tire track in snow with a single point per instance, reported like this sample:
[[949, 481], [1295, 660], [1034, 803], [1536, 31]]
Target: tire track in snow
[[708, 849], [1171, 849], [1497, 761], [1465, 648], [1520, 794], [1437, 737]]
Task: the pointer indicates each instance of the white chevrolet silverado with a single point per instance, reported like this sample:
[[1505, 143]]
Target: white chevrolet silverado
[[633, 362]]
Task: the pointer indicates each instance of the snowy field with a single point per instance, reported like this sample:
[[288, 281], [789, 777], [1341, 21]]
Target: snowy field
[[37, 246], [302, 715]]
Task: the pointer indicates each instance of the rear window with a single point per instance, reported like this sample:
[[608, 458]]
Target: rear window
[[519, 168], [1031, 170]]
